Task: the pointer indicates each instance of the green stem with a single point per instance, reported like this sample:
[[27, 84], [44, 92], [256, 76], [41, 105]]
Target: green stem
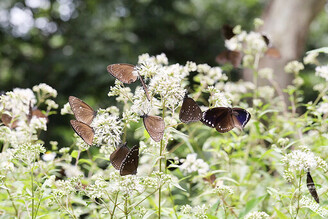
[[32, 189], [12, 200], [298, 195], [112, 215], [160, 168], [126, 207]]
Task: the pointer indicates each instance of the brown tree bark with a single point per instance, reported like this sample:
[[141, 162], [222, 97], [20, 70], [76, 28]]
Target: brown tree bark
[[287, 22]]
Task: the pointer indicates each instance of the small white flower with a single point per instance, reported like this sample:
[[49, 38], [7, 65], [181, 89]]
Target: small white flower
[[256, 215], [49, 156], [45, 90], [66, 109], [192, 164], [322, 71]]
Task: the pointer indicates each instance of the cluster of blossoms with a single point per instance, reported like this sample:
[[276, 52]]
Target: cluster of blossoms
[[301, 160], [257, 215], [315, 207], [322, 71], [198, 211], [192, 164]]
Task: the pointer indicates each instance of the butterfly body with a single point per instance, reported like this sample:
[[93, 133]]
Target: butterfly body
[[190, 111], [224, 119], [125, 160], [155, 126]]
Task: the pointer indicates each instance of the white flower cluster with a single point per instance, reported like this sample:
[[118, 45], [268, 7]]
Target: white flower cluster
[[108, 130], [301, 160], [322, 108], [123, 93], [322, 71], [28, 152], [217, 98], [307, 202], [192, 164], [223, 190], [294, 67], [45, 90], [256, 215], [210, 75], [198, 211]]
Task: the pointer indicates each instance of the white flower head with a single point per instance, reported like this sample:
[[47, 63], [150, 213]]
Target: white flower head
[[192, 164], [45, 90], [257, 215], [322, 71], [108, 130]]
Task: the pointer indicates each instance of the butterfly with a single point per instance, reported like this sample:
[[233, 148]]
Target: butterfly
[[224, 119], [229, 56], [124, 73], [84, 115], [271, 51], [155, 126], [34, 111], [190, 111], [9, 121], [311, 187], [125, 160], [82, 111]]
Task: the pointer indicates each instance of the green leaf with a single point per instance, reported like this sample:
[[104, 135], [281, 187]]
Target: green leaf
[[280, 214], [251, 204], [82, 161], [74, 154]]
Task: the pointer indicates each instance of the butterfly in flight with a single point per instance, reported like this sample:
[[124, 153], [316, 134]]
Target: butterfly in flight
[[190, 111], [125, 160], [224, 119], [155, 126], [311, 187], [84, 115], [125, 73]]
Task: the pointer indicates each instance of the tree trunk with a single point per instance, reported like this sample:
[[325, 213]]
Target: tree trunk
[[287, 22]]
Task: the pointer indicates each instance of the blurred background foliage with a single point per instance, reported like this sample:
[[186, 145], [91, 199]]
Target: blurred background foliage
[[68, 43]]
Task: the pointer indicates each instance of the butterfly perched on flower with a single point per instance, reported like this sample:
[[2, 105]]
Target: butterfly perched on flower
[[224, 119], [126, 74], [190, 111], [125, 160], [84, 115], [155, 126]]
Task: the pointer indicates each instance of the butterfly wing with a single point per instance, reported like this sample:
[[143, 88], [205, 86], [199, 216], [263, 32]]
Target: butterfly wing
[[240, 117], [311, 187], [273, 52], [130, 163], [83, 130], [190, 111], [119, 155], [228, 56], [219, 118], [82, 111], [123, 72], [8, 121], [227, 31], [155, 127]]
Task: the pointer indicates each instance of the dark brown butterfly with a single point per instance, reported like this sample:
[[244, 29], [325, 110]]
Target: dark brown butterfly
[[271, 51], [83, 130], [228, 56], [190, 111], [224, 119], [311, 187], [210, 179], [227, 31], [125, 160], [82, 111], [155, 126], [8, 121], [35, 112], [124, 73]]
